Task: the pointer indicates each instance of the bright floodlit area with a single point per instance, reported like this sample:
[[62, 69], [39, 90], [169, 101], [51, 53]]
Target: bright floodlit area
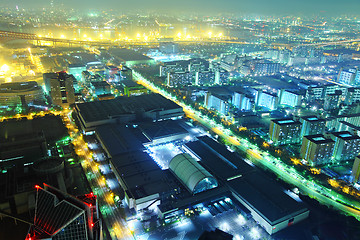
[[242, 227], [163, 153]]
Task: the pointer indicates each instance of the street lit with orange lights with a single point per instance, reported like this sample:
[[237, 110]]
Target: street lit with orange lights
[[107, 205]]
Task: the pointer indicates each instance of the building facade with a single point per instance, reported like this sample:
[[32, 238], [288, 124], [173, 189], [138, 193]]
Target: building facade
[[285, 131], [317, 149]]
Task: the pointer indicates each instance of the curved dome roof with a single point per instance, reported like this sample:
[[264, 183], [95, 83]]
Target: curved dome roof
[[195, 177]]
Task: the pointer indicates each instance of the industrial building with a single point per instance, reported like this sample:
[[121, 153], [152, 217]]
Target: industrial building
[[168, 179], [21, 93], [131, 88], [129, 57], [265, 199], [152, 107], [191, 174], [167, 131]]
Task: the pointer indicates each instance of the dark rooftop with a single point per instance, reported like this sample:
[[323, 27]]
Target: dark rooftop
[[215, 157], [141, 174], [161, 129], [117, 139], [102, 110], [345, 135], [313, 118], [319, 139], [127, 54], [131, 84], [285, 121], [266, 197]]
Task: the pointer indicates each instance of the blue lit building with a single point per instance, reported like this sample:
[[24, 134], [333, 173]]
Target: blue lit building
[[267, 100], [290, 98]]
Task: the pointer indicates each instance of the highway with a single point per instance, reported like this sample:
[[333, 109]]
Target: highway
[[263, 159]]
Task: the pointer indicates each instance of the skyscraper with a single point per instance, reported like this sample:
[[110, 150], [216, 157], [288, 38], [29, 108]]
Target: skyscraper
[[284, 131], [60, 88], [317, 149]]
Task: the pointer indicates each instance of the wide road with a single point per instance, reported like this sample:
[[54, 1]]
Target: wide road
[[261, 158]]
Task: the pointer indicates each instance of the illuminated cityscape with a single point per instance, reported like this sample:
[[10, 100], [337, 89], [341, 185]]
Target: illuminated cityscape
[[191, 120]]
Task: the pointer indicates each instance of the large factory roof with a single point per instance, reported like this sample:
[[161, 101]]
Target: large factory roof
[[266, 197], [127, 54], [19, 87], [221, 167], [141, 175], [102, 110], [117, 139], [162, 129]]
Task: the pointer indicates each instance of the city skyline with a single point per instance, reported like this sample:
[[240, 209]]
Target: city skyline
[[145, 120], [257, 7]]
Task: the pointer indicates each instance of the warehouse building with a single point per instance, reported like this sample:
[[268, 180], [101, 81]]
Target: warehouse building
[[152, 107]]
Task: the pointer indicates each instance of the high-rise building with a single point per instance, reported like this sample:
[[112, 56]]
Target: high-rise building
[[317, 149], [352, 96], [332, 101], [290, 98], [179, 79], [347, 146], [312, 125], [355, 174], [59, 215], [347, 76], [242, 101], [205, 77], [60, 88], [267, 100], [284, 131], [218, 103]]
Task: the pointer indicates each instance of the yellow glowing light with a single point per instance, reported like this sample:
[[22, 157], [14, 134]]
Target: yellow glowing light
[[179, 34], [220, 34], [138, 35], [39, 35], [5, 68], [101, 36], [209, 33], [85, 36], [146, 38], [188, 36], [62, 36]]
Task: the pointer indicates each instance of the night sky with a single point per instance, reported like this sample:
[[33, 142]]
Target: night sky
[[328, 7]]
